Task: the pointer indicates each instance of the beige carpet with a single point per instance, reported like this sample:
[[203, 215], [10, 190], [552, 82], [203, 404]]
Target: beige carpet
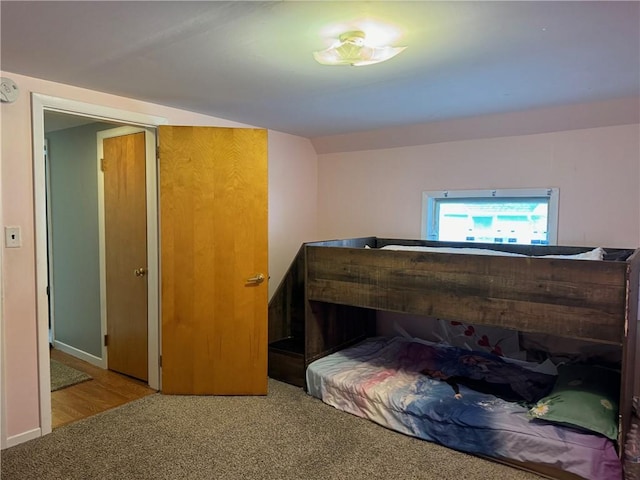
[[286, 435], [63, 376]]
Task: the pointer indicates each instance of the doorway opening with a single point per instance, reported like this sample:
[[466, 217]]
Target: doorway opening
[[88, 344]]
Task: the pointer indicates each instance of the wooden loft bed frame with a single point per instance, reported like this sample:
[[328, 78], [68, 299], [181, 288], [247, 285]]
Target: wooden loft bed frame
[[301, 331], [328, 299]]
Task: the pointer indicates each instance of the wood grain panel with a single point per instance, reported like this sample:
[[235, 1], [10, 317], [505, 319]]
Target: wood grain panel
[[300, 333], [579, 299], [125, 210], [605, 297], [631, 350], [562, 270], [286, 307], [287, 367], [332, 327], [213, 201]]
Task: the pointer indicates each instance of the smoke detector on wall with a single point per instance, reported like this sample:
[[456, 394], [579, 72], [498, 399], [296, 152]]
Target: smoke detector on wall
[[8, 90]]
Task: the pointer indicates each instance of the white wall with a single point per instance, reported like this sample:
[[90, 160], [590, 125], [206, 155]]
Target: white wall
[[294, 155], [378, 192]]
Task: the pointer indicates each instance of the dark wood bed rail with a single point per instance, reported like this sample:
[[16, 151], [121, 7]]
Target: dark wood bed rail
[[578, 299], [301, 331], [630, 370]]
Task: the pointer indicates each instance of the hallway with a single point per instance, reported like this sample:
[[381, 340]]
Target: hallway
[[106, 390]]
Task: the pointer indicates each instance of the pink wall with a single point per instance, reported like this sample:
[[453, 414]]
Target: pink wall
[[292, 209], [18, 272], [289, 157], [378, 192]]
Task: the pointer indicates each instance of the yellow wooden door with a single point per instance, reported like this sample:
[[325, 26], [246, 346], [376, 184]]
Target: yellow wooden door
[[125, 210], [213, 244]]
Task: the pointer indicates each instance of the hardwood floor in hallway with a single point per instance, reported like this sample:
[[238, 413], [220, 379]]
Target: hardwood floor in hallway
[[106, 390]]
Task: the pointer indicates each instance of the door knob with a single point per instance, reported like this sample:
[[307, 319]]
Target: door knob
[[140, 272], [257, 280]]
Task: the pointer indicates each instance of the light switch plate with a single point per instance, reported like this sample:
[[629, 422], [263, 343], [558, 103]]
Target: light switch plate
[[12, 238]]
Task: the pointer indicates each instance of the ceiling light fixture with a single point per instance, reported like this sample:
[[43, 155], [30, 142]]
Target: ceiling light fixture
[[351, 49]]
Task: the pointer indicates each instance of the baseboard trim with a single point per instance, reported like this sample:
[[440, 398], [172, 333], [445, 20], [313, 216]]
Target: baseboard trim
[[82, 355], [22, 437]]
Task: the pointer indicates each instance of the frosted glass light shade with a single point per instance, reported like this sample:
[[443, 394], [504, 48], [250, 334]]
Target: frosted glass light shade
[[352, 50]]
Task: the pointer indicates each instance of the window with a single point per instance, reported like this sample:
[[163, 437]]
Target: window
[[522, 216]]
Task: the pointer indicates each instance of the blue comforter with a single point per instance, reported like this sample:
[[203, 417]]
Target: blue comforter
[[383, 379]]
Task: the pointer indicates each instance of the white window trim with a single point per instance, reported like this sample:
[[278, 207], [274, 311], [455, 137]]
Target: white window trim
[[430, 199]]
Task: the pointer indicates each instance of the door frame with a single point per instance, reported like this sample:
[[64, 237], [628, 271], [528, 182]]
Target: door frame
[[153, 301], [40, 103], [51, 306]]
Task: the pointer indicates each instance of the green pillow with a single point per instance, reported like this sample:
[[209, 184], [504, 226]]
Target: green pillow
[[584, 396]]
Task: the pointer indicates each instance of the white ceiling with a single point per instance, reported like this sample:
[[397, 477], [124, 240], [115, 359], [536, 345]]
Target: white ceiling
[[252, 62]]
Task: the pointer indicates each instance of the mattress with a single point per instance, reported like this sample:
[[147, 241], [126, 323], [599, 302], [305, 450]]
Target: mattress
[[382, 379]]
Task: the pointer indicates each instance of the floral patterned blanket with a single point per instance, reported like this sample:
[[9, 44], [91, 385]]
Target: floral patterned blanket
[[406, 385]]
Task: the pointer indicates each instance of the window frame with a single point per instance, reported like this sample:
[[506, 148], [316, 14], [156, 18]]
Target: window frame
[[431, 198]]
